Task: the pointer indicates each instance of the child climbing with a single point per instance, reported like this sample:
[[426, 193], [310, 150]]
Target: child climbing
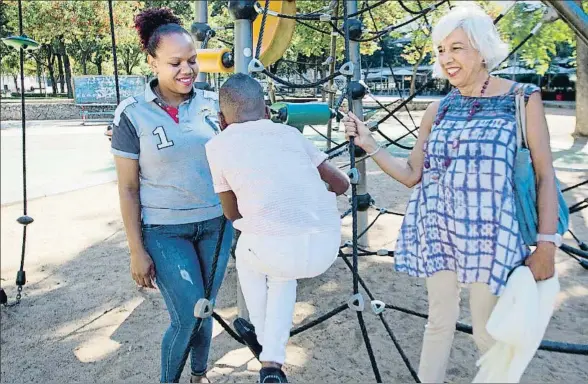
[[271, 182]]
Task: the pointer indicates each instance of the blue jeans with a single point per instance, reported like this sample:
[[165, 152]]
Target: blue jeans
[[183, 255]]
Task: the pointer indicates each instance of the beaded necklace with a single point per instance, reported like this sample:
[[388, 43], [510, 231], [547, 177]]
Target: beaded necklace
[[472, 110], [455, 144]]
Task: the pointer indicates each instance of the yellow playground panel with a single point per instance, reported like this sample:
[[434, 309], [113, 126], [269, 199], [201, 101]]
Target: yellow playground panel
[[211, 60], [277, 35]]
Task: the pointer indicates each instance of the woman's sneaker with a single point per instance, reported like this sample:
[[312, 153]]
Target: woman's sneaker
[[272, 375], [246, 331]]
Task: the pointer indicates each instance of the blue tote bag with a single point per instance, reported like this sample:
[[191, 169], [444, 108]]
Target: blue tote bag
[[524, 182]]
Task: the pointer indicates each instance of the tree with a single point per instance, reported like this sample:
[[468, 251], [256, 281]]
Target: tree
[[9, 60], [128, 48], [10, 65], [102, 54], [538, 52], [181, 8], [44, 21], [581, 85]]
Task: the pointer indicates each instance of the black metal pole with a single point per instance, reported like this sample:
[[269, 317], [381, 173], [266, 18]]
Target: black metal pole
[[24, 219], [22, 113], [113, 39]]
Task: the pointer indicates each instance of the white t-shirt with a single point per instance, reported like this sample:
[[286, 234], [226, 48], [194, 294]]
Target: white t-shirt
[[272, 169]]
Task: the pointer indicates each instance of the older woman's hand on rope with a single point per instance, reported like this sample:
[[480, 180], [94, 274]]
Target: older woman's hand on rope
[[542, 261], [357, 129]]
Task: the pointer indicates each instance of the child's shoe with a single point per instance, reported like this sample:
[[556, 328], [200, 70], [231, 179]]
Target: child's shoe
[[272, 375]]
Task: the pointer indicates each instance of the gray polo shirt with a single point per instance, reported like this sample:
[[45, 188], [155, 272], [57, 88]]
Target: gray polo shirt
[[175, 180]]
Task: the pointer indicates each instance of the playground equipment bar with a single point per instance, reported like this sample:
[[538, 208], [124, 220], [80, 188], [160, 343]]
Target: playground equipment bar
[[201, 16], [354, 56], [243, 51], [332, 56], [243, 45], [573, 15]]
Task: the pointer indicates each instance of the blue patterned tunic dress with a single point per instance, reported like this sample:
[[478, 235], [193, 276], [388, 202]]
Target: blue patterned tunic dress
[[461, 216]]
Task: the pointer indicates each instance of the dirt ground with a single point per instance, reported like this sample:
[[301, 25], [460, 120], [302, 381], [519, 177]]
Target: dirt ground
[[83, 320]]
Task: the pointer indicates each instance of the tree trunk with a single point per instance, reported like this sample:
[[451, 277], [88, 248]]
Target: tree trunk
[[316, 77], [51, 68], [98, 63], [323, 93], [39, 77], [60, 70], [125, 57], [581, 88], [414, 71], [271, 91], [15, 78], [367, 67], [84, 61], [67, 67], [68, 77]]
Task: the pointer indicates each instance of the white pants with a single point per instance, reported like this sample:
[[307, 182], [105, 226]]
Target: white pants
[[268, 267], [443, 292]]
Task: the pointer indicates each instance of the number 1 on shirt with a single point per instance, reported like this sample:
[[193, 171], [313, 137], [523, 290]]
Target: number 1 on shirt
[[163, 141]]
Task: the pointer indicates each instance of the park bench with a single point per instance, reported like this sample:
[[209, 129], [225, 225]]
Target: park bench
[[96, 112], [96, 95]]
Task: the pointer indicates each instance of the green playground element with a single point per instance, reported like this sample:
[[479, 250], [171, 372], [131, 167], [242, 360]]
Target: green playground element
[[300, 114], [18, 42]]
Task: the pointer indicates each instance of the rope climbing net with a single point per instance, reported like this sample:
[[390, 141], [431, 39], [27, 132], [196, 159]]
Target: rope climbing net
[[351, 251]]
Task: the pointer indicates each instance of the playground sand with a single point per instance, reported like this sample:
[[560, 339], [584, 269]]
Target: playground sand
[[83, 320]]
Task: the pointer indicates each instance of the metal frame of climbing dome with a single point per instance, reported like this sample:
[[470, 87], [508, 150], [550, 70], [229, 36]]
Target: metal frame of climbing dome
[[245, 61], [360, 199]]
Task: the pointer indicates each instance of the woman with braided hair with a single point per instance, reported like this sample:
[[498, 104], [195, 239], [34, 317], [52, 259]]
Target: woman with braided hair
[[171, 213]]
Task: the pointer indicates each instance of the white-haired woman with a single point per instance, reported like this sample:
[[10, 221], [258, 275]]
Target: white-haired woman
[[460, 226]]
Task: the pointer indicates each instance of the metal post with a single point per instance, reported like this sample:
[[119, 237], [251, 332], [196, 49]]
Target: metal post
[[24, 128], [382, 69], [355, 57], [243, 54], [201, 16], [243, 45], [113, 40], [243, 13], [333, 58]]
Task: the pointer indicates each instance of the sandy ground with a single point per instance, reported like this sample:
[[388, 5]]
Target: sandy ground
[[83, 320]]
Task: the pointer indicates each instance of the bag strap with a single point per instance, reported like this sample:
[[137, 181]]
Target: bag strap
[[521, 117]]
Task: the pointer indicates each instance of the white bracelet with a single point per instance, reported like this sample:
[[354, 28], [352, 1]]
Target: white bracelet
[[374, 152]]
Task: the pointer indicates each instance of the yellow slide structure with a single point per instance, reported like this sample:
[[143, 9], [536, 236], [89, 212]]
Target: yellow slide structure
[[277, 35]]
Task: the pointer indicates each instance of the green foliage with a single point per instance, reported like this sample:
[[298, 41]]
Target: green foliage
[[181, 8], [84, 28], [538, 52], [9, 60]]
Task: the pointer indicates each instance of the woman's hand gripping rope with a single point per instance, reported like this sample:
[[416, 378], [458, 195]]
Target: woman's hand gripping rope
[[357, 129]]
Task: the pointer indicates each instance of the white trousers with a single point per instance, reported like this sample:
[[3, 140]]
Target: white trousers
[[443, 292], [268, 267]]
